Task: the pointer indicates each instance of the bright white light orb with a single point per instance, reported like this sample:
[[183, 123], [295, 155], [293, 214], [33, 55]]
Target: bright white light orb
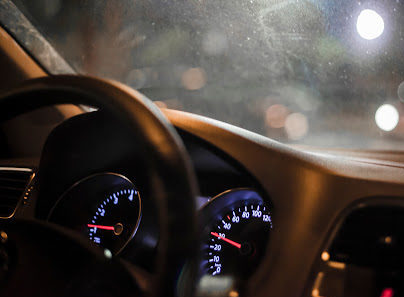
[[387, 117], [370, 24], [107, 253]]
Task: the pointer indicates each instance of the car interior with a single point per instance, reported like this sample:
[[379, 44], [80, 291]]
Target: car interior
[[197, 148]]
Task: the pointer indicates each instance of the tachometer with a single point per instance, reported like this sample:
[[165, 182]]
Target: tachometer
[[237, 238], [112, 224], [105, 207]]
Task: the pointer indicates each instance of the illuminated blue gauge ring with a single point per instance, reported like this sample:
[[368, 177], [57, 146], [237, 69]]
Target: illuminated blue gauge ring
[[106, 207], [116, 219], [237, 237]]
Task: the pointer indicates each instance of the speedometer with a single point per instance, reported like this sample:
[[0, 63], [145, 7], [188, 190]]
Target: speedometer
[[236, 239]]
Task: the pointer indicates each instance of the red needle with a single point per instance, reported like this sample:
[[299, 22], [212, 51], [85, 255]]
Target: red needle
[[237, 245], [101, 227]]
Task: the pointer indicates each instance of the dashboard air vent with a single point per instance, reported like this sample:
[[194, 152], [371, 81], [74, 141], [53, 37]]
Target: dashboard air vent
[[371, 237], [13, 182]]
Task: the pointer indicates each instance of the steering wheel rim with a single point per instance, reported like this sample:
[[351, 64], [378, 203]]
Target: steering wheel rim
[[164, 152]]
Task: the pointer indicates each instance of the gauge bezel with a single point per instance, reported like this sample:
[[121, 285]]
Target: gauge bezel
[[215, 207], [90, 202]]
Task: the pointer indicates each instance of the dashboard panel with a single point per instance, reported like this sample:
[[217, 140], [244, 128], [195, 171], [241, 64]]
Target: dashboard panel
[[107, 199], [306, 191]]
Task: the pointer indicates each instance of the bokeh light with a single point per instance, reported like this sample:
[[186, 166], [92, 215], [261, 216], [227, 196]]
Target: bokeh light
[[193, 79], [400, 91], [275, 116], [137, 78], [296, 126], [387, 117], [325, 256], [370, 24]]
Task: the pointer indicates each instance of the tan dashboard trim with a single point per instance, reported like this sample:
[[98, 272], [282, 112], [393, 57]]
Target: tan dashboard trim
[[221, 134], [17, 67], [23, 63]]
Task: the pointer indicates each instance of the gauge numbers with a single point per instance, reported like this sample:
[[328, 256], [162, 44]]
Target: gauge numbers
[[237, 240], [115, 219]]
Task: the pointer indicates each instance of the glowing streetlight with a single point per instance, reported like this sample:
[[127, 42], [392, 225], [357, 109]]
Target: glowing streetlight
[[387, 117], [370, 24]]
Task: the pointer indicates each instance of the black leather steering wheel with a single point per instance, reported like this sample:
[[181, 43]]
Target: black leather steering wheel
[[174, 191]]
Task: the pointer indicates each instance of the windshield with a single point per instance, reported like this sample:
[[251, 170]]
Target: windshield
[[324, 73]]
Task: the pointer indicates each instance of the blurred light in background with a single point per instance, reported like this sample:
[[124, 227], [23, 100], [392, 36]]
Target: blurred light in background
[[315, 293], [387, 117], [400, 91], [214, 43], [275, 116], [137, 78], [296, 126], [325, 256], [387, 292], [107, 253], [193, 79], [370, 24]]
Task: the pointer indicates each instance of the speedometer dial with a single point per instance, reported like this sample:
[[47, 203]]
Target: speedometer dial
[[237, 239]]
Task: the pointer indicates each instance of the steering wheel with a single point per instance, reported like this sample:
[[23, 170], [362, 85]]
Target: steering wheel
[[71, 265]]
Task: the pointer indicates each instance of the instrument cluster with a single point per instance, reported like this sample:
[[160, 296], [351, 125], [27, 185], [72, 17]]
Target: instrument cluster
[[107, 209]]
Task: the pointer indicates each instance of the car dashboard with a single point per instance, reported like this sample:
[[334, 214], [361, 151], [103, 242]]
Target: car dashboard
[[268, 213], [105, 199]]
